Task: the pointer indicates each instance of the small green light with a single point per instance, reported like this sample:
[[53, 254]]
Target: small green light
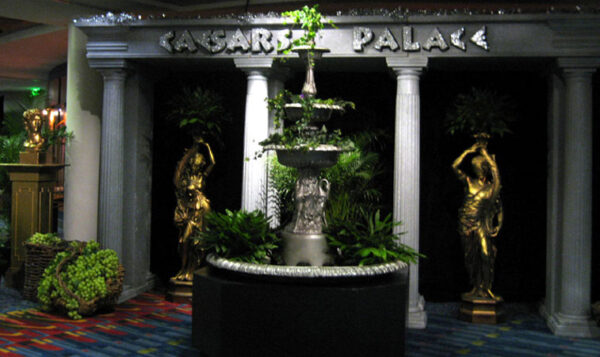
[[35, 91]]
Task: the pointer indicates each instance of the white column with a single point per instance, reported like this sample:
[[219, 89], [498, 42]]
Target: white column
[[554, 219], [110, 211], [276, 85], [256, 129], [84, 107], [407, 171], [574, 316]]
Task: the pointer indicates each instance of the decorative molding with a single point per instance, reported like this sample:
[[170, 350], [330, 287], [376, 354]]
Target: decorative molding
[[109, 63], [578, 62], [107, 46], [253, 64], [406, 62]]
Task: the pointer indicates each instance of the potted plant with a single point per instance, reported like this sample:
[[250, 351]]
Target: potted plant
[[199, 112], [81, 280], [481, 111], [40, 250]]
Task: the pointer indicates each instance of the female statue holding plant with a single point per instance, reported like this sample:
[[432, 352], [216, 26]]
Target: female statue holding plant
[[480, 217]]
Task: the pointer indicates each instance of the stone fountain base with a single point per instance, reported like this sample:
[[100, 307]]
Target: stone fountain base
[[236, 314], [305, 249]]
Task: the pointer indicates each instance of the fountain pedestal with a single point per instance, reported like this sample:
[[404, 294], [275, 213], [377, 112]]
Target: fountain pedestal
[[236, 314]]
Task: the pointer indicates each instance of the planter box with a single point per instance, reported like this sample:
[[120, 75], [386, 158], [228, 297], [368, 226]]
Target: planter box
[[236, 314]]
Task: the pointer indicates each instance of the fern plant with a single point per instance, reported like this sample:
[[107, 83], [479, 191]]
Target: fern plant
[[368, 240], [239, 236]]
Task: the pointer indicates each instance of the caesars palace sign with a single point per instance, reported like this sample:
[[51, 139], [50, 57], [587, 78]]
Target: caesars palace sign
[[262, 40]]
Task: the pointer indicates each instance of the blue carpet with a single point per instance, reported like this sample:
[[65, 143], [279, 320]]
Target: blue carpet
[[166, 331], [523, 334]]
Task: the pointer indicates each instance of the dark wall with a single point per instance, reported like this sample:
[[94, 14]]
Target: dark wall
[[223, 186]]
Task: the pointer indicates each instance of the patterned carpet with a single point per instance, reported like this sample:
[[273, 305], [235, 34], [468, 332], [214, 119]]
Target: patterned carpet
[[145, 326], [523, 334], [150, 326]]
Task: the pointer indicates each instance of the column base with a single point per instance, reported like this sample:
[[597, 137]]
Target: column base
[[417, 316], [573, 326], [130, 291], [180, 291], [480, 310]]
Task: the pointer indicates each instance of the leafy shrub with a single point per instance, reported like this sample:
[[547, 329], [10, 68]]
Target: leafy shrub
[[480, 111], [199, 112], [239, 236], [370, 240], [45, 239]]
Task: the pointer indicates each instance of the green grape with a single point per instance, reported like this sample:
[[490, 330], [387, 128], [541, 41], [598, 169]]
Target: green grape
[[45, 239], [85, 276]]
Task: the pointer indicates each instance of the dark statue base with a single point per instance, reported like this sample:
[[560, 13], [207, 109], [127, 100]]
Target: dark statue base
[[239, 315], [180, 291], [482, 310]]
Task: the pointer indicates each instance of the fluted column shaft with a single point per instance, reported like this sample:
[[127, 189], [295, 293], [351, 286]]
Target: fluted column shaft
[[276, 85], [110, 212], [574, 316], [256, 129], [577, 230], [407, 174], [554, 188]]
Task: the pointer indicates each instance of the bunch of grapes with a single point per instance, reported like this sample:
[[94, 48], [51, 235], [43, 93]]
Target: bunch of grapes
[[84, 275], [44, 239]]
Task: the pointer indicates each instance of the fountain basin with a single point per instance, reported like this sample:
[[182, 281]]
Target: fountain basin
[[306, 272], [317, 158], [321, 112]]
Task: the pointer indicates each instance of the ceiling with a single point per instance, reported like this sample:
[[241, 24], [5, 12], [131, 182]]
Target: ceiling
[[33, 33]]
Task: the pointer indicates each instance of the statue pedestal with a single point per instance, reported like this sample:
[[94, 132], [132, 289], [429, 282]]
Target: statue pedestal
[[180, 291], [31, 210], [482, 310]]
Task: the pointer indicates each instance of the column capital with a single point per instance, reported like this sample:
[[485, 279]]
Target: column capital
[[260, 64], [403, 64], [109, 63], [113, 68], [579, 64]]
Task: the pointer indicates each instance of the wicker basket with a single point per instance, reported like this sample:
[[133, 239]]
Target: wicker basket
[[38, 257], [114, 287]]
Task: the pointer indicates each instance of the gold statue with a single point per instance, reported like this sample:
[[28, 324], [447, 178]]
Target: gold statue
[[192, 204], [33, 119], [480, 217]]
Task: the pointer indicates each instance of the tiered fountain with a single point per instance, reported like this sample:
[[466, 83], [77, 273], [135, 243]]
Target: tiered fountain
[[303, 238], [307, 307]]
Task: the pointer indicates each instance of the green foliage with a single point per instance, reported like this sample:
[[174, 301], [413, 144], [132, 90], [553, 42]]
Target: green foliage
[[480, 111], [10, 146], [369, 240], [239, 236], [310, 20], [45, 239], [85, 272], [283, 181], [56, 136], [353, 183], [200, 112], [295, 134]]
